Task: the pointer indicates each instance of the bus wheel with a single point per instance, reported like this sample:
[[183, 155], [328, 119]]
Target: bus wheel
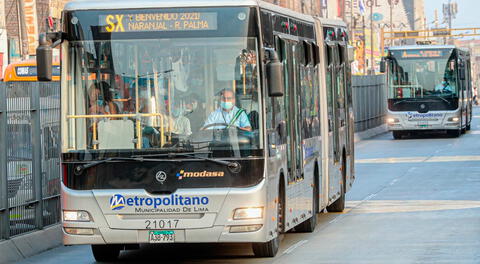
[[469, 127], [454, 133], [397, 134], [105, 253], [269, 249]]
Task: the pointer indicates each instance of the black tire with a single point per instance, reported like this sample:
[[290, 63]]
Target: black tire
[[106, 253], [469, 127], [397, 134], [270, 248], [454, 133], [308, 226]]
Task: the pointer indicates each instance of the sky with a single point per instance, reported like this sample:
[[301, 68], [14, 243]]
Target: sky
[[468, 12]]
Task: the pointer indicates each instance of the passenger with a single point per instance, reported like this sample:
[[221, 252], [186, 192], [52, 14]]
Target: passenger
[[194, 111], [443, 87], [100, 99], [228, 115], [181, 125]]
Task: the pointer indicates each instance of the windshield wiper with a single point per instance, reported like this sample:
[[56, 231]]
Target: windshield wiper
[[232, 166], [80, 168], [448, 102], [403, 100]]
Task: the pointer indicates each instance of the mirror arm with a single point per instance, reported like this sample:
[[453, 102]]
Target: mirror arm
[[55, 37], [272, 55]]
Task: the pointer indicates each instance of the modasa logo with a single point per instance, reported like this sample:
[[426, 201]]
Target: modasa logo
[[199, 174], [119, 201]]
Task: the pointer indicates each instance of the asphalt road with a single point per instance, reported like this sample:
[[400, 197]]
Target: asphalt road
[[415, 200]]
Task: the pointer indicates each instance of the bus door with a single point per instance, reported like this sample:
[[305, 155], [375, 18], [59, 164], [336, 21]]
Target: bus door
[[340, 96], [462, 91], [333, 110], [294, 147]]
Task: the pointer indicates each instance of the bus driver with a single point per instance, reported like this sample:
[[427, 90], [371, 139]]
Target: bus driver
[[228, 115]]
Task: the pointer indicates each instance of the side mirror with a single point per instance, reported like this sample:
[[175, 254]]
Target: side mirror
[[351, 54], [44, 60], [274, 75], [383, 66]]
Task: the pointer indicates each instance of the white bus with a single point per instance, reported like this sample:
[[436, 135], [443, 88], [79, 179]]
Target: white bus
[[200, 121], [429, 88]]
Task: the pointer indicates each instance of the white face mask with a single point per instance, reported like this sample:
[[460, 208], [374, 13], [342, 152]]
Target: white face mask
[[194, 105]]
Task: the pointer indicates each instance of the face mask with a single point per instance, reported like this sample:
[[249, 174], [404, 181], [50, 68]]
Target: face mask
[[100, 102], [226, 105], [444, 83], [177, 112]]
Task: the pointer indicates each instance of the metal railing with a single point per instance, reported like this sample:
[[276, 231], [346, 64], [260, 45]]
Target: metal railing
[[369, 101], [29, 157]]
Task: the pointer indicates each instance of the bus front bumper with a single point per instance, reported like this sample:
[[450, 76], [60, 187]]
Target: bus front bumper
[[212, 223]]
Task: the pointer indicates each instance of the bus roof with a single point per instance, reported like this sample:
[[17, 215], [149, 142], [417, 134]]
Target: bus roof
[[421, 47], [129, 4]]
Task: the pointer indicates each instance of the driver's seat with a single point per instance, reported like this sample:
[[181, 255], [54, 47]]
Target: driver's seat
[[253, 118]]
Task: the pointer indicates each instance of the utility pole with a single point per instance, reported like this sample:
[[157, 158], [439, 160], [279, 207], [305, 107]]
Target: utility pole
[[23, 29], [450, 11], [391, 20], [372, 66], [352, 26], [364, 47]]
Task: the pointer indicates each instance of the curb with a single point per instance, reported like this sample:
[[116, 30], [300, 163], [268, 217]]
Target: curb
[[27, 245], [370, 133]]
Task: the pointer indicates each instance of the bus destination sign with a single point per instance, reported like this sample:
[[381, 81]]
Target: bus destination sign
[[144, 22], [413, 54]]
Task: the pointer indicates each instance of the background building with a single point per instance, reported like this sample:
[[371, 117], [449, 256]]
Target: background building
[[33, 14], [3, 40]]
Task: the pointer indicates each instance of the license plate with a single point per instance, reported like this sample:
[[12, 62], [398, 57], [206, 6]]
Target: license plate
[[423, 124], [162, 236]]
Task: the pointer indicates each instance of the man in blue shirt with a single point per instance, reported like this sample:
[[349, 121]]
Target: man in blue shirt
[[228, 115], [443, 87]]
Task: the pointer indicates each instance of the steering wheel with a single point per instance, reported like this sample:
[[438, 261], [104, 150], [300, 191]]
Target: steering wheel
[[224, 125]]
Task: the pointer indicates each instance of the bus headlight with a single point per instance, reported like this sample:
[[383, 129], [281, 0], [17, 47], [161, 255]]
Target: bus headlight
[[78, 231], [454, 119], [76, 216], [392, 120], [248, 213], [245, 228]]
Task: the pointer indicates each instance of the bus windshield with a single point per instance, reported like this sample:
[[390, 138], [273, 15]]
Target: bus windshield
[[422, 74], [164, 94]]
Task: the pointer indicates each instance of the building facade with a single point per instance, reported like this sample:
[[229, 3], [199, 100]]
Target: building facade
[[35, 14]]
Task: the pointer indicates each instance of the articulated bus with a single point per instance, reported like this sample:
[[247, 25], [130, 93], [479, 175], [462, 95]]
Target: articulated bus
[[208, 122], [429, 88]]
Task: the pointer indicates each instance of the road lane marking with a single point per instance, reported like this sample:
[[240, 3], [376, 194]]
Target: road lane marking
[[419, 159], [294, 246], [393, 182], [407, 206]]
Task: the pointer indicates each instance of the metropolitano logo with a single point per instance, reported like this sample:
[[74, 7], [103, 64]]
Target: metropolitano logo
[[117, 202]]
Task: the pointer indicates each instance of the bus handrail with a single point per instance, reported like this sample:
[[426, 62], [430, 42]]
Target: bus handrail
[[138, 124]]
